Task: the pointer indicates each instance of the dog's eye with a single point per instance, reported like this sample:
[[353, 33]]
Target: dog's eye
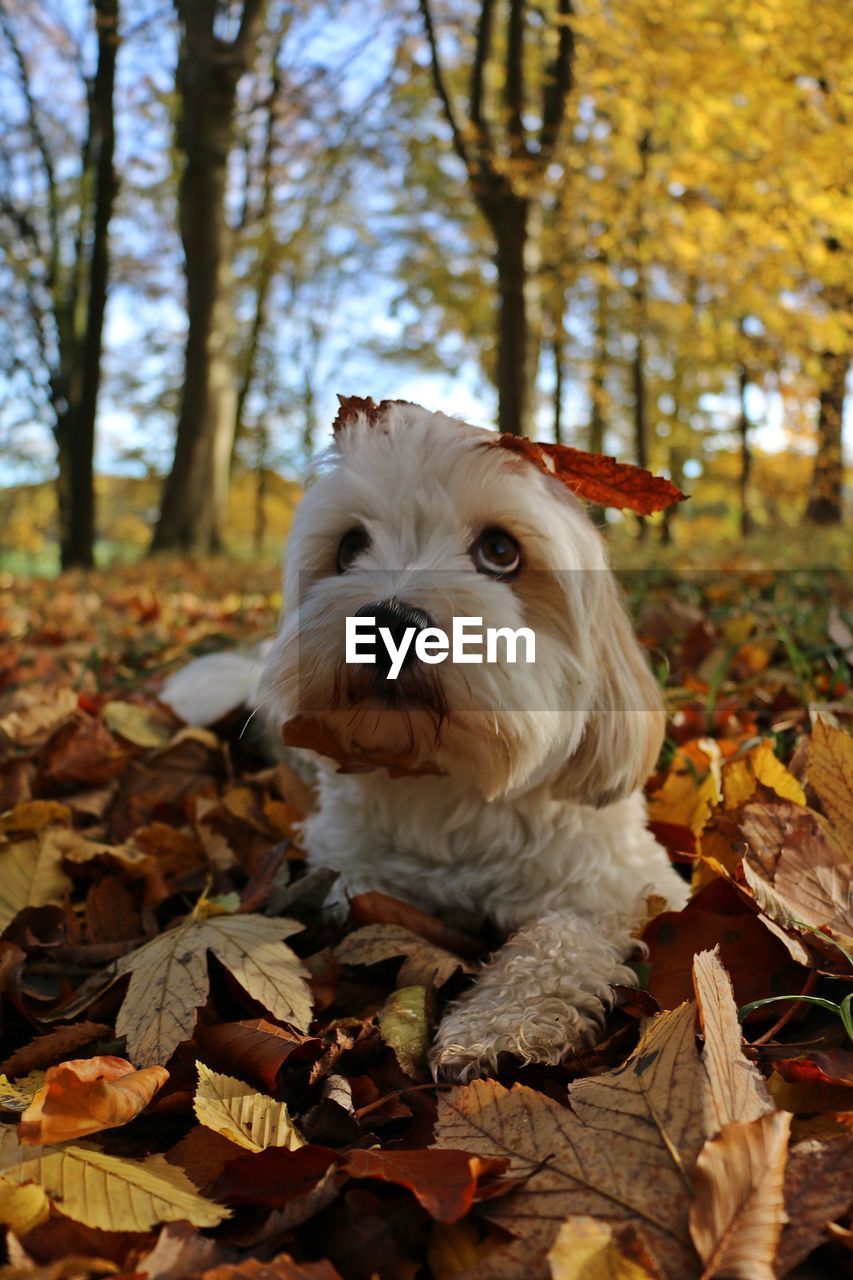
[[496, 552], [350, 548]]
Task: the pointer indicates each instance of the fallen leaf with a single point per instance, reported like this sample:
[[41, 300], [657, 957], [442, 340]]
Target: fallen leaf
[[818, 1185], [257, 1048], [404, 1021], [53, 1046], [811, 883], [829, 1066], [455, 1247], [16, 1095], [445, 1182], [381, 908], [425, 964], [169, 979], [281, 1268], [736, 1090], [179, 1251], [112, 1193], [32, 723], [86, 1095], [31, 874], [589, 1249], [738, 1211], [830, 773], [22, 1207], [249, 1119], [583, 1160], [742, 776], [137, 724]]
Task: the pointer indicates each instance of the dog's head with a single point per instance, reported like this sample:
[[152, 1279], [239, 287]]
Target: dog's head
[[414, 518]]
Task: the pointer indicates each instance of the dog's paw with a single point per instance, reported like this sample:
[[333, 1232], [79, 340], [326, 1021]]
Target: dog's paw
[[471, 1041]]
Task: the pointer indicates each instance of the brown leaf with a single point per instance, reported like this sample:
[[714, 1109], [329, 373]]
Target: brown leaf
[[83, 751], [736, 1090], [758, 963], [830, 773], [381, 908], [254, 1048], [585, 1160], [444, 1182], [86, 1095], [738, 1211], [811, 882], [179, 1251], [281, 1268], [425, 964], [595, 477], [49, 1048], [818, 1189], [830, 1066], [36, 717]]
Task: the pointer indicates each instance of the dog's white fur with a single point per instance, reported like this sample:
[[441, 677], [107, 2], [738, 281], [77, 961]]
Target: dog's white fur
[[520, 802]]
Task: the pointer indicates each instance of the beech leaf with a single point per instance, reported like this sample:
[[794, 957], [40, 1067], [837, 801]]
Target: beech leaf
[[736, 1090], [830, 773], [31, 874], [169, 979], [425, 964], [738, 1211], [237, 1112], [444, 1182], [108, 1192], [86, 1095]]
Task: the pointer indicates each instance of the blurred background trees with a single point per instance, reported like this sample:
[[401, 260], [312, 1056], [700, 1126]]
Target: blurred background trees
[[623, 224]]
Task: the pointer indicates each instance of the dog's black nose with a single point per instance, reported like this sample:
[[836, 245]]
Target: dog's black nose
[[397, 617]]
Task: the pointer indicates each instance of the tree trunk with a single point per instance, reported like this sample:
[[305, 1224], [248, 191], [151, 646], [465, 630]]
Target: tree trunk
[[196, 491], [825, 492], [75, 422], [638, 388], [510, 220], [598, 379], [746, 525]]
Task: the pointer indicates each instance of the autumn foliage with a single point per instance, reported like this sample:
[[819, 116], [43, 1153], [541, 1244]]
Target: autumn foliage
[[203, 1077]]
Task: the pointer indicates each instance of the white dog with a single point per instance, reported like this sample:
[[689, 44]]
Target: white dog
[[501, 791]]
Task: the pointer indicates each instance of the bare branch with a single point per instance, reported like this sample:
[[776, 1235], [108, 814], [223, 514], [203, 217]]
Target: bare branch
[[441, 89]]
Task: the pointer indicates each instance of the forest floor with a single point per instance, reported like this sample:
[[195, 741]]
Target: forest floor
[[180, 1099]]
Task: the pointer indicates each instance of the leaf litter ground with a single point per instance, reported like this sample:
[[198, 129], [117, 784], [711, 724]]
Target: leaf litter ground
[[202, 1077]]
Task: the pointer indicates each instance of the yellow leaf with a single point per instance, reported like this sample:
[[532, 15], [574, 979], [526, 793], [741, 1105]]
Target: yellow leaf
[[22, 1207], [741, 777], [136, 724], [738, 1210], [169, 979], [34, 815], [588, 1249], [16, 1095], [107, 1192], [30, 875], [830, 772], [244, 1116]]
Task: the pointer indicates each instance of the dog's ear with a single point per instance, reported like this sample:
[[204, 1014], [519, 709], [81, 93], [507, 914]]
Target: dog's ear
[[625, 725]]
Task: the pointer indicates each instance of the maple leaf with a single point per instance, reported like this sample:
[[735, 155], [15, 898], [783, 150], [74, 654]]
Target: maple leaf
[[107, 1192], [86, 1095], [595, 477], [738, 1212], [237, 1112], [169, 979]]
